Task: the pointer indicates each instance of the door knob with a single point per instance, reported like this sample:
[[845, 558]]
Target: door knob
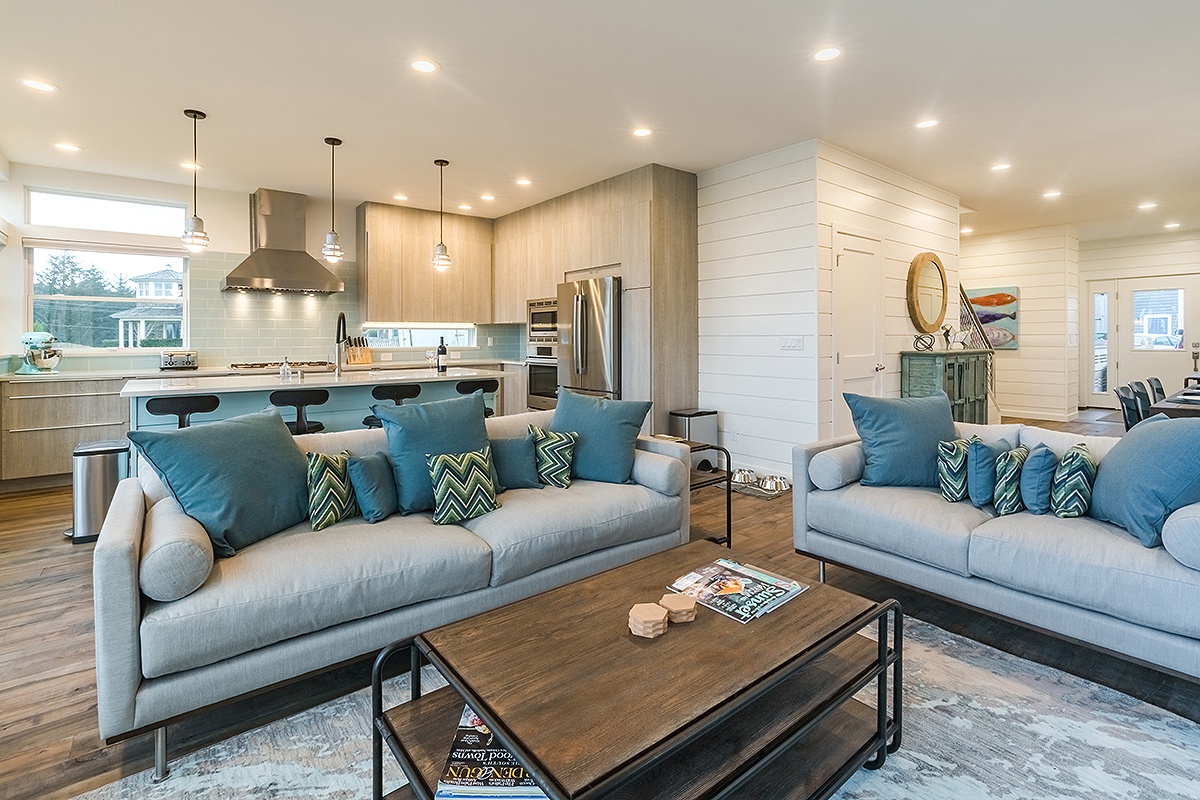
[[880, 367]]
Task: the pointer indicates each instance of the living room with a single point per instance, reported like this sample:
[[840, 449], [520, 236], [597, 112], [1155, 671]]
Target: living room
[[1025, 166]]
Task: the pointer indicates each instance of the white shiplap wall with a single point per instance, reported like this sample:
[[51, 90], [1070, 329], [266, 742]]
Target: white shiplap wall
[[1040, 379]]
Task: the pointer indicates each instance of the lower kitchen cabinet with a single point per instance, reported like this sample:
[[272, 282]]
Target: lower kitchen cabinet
[[514, 392], [43, 421]]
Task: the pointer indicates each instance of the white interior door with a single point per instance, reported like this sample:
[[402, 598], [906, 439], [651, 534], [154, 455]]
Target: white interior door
[[1158, 328], [1099, 373], [857, 322]]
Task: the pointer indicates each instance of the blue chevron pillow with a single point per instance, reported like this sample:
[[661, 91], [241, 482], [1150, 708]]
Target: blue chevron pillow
[[1071, 491], [952, 468], [462, 485], [330, 495], [554, 451], [1007, 497]]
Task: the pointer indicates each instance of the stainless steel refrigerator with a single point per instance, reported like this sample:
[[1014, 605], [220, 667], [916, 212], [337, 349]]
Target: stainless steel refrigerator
[[589, 336]]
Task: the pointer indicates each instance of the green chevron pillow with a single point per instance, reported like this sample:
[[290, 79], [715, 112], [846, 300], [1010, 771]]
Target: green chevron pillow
[[1071, 489], [554, 451], [462, 485], [952, 468], [1007, 498], [330, 495]]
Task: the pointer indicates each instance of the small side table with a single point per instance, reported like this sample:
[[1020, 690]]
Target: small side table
[[701, 479]]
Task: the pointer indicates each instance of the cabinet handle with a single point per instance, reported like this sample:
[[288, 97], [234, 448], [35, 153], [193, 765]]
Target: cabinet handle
[[67, 427]]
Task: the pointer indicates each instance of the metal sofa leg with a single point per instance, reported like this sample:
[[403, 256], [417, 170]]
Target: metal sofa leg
[[821, 571], [161, 771]]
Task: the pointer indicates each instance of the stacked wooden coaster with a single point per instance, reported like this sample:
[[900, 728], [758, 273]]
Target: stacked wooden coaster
[[680, 607], [648, 620]]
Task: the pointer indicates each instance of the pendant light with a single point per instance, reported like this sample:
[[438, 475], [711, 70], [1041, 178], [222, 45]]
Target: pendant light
[[441, 259], [194, 237], [332, 251]]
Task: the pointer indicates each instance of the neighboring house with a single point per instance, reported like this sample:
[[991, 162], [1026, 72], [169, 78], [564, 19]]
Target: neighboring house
[[160, 322]]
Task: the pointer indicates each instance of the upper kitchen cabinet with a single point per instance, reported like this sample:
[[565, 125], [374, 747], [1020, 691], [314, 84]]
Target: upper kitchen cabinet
[[396, 278]]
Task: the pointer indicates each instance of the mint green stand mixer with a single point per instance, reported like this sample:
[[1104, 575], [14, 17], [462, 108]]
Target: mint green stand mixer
[[41, 357]]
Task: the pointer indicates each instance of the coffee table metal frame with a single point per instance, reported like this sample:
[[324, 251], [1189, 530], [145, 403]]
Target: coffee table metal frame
[[872, 755]]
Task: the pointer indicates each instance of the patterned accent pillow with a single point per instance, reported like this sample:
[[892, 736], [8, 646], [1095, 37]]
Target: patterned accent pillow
[[1071, 490], [330, 495], [462, 485], [952, 468], [1007, 498], [554, 451]]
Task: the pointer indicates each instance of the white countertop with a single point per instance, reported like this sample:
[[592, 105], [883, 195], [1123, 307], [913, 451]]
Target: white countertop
[[178, 383], [208, 372]]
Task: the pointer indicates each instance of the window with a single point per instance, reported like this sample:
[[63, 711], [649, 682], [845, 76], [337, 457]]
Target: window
[[1158, 319], [105, 214], [419, 337], [106, 299], [1100, 342]]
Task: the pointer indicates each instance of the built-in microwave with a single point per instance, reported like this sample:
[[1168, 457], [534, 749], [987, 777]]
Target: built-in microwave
[[542, 322]]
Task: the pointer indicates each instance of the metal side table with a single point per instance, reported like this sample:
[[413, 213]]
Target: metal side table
[[701, 479]]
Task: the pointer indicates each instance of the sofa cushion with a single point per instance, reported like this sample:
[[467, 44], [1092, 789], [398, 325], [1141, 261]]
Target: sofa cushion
[[553, 452], [516, 463], [298, 581], [834, 468], [952, 469], [900, 437], [1007, 498], [1090, 564], [989, 433], [374, 484], [663, 474], [911, 522], [1071, 488], [1037, 477], [1181, 536], [330, 495], [1061, 441], [177, 554], [981, 470], [538, 528], [607, 430], [462, 485]]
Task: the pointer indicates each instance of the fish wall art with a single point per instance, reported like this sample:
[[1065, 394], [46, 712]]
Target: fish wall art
[[997, 312]]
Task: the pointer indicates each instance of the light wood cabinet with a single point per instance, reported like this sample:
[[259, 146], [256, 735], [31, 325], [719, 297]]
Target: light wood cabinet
[[514, 391], [396, 278], [43, 421]]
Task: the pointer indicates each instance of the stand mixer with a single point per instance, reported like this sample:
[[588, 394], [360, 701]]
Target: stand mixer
[[41, 357]]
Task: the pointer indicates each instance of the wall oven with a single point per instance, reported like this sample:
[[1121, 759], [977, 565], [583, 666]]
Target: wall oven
[[543, 383], [541, 320], [541, 359]]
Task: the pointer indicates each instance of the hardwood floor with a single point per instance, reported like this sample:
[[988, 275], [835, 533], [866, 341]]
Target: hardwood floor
[[49, 745]]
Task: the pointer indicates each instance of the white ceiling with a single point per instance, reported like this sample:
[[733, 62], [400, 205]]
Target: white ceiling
[[1097, 98]]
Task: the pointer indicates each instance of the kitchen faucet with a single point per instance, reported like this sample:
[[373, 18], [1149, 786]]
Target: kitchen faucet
[[340, 339]]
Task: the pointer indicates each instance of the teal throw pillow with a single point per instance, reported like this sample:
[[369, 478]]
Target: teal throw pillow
[[462, 485], [374, 484], [1007, 497], [516, 463], [1153, 471], [330, 495], [952, 468], [242, 478], [418, 430], [554, 451], [1071, 491], [1037, 476], [981, 469], [900, 437], [607, 430]]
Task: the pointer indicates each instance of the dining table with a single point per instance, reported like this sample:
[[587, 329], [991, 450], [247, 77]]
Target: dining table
[[1185, 403]]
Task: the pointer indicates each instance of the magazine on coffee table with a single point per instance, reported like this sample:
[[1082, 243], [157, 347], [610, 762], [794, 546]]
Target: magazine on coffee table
[[739, 591], [480, 766]]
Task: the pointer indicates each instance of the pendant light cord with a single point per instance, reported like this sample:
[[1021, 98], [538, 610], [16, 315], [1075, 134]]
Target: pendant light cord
[[332, 185], [441, 200], [195, 165]]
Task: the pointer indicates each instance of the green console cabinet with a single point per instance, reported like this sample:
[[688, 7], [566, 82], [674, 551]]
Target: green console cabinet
[[961, 374]]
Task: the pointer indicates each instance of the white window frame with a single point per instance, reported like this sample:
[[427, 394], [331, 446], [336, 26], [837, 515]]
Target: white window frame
[[32, 190]]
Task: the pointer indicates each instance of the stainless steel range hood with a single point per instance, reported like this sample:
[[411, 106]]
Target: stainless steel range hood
[[277, 259]]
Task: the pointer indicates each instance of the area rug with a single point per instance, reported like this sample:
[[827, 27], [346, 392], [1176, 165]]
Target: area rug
[[979, 723]]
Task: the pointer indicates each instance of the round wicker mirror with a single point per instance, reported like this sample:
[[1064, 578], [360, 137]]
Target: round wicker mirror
[[927, 292]]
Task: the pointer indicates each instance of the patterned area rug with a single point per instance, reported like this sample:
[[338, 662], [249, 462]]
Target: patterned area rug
[[979, 723]]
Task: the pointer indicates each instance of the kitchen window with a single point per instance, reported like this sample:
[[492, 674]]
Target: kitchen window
[[89, 212], [419, 336]]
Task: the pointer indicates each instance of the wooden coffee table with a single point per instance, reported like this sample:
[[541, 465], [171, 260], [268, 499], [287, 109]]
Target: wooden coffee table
[[713, 708]]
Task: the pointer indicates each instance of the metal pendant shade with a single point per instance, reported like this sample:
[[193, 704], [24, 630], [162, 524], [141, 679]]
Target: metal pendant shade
[[332, 250], [194, 238], [441, 259]]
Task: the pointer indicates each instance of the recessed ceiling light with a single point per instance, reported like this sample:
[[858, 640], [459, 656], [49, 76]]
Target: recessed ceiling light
[[487, 197], [399, 197], [424, 65], [827, 54], [524, 182], [465, 207], [927, 123], [1052, 193], [1171, 225], [41, 86], [967, 230], [70, 148], [1000, 167], [189, 165], [642, 131], [1148, 206]]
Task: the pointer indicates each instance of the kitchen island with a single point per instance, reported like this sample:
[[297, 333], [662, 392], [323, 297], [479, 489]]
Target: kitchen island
[[349, 394]]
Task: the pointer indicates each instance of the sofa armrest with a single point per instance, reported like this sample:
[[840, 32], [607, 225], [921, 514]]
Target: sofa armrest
[[802, 485], [674, 476], [118, 609], [663, 474]]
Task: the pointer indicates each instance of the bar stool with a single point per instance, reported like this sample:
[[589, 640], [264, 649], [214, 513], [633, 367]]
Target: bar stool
[[182, 407], [301, 399], [396, 393], [487, 386]]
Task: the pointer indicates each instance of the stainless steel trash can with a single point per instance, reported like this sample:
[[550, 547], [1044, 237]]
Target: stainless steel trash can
[[96, 469], [696, 425]]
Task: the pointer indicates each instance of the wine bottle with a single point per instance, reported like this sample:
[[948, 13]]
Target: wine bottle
[[441, 355]]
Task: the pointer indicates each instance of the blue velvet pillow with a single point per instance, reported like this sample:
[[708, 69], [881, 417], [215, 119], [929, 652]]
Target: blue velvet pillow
[[981, 470], [1153, 471], [418, 430], [242, 478], [900, 437], [608, 431], [1036, 478], [516, 463], [374, 484]]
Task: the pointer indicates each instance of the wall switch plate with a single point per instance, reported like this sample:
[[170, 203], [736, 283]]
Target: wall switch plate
[[385, 356], [491, 341], [791, 343]]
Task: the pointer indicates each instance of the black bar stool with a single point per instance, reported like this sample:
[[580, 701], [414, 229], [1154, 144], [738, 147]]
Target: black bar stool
[[301, 399], [183, 406], [396, 393], [487, 386]]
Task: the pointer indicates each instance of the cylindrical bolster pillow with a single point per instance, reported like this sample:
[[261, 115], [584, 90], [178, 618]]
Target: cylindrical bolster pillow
[[1181, 536], [152, 485], [663, 474], [838, 466], [177, 554]]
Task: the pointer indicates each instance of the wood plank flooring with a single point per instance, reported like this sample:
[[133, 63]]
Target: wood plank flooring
[[50, 747]]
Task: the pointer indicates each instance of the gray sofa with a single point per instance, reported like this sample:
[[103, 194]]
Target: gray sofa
[[1081, 578], [301, 601]]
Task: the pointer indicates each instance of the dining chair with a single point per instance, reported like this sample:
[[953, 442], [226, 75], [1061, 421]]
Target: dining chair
[[1129, 409], [1156, 389], [1143, 399]]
